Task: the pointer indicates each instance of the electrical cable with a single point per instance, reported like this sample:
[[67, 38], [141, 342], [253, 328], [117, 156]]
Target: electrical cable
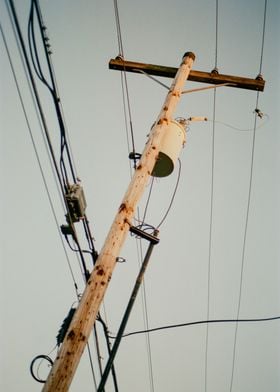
[[200, 322], [146, 322], [210, 240], [128, 119], [248, 209], [241, 129], [109, 348], [36, 108], [36, 94], [125, 318], [59, 111], [244, 247], [173, 196], [216, 34], [33, 51], [75, 250], [64, 144], [42, 357], [98, 352], [124, 78], [57, 103], [211, 206], [38, 102], [53, 211], [55, 93], [37, 157], [148, 201], [41, 112], [91, 366], [118, 26]]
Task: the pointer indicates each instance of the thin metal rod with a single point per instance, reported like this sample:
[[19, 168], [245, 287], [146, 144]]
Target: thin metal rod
[[126, 315], [193, 90]]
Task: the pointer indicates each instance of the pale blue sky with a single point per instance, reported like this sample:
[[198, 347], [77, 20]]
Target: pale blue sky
[[36, 286]]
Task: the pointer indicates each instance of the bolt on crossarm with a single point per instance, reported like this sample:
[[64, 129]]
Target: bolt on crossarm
[[71, 350]]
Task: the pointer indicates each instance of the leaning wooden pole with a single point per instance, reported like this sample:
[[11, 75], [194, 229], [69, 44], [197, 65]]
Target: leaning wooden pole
[[71, 350]]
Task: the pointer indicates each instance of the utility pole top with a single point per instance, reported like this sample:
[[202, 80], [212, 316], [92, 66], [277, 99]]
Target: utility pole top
[[213, 77]]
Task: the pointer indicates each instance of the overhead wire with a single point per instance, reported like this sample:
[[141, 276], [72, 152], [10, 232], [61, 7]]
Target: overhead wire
[[247, 210], [209, 266], [173, 195], [129, 129], [48, 195], [124, 79], [37, 155], [241, 129], [65, 144], [11, 10], [54, 92], [53, 88], [148, 200], [200, 322], [210, 244], [50, 202], [145, 315]]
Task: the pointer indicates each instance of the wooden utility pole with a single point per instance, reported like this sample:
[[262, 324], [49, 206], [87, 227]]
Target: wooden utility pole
[[69, 355]]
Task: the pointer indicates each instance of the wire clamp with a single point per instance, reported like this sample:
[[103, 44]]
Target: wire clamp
[[258, 113], [134, 156]]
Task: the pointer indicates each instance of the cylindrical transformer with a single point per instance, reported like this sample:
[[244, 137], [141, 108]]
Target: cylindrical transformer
[[173, 139]]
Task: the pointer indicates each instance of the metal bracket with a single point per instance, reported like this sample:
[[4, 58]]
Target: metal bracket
[[149, 237]]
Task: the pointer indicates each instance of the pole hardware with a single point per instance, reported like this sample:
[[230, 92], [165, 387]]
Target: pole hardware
[[127, 312], [213, 77], [143, 234]]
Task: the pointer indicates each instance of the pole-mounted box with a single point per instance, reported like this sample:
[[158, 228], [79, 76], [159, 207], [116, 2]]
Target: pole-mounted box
[[76, 202]]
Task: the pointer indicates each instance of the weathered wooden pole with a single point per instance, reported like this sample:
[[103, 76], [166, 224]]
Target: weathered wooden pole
[[69, 355]]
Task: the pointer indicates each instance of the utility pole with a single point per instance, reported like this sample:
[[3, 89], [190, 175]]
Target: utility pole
[[69, 355]]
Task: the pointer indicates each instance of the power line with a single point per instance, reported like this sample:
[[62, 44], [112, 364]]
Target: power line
[[210, 240], [261, 115], [36, 94], [146, 322], [48, 195], [124, 79], [200, 322], [263, 36], [173, 195], [37, 157], [216, 34], [128, 120], [211, 203], [53, 88], [247, 211], [44, 124]]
